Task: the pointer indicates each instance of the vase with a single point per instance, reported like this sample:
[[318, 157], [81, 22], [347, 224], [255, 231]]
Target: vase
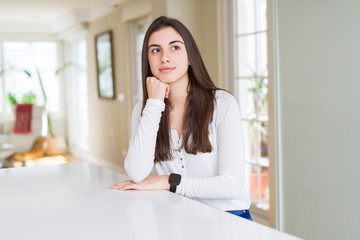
[[56, 145]]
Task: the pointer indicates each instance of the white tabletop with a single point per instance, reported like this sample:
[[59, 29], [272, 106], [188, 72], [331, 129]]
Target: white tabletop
[[73, 201]]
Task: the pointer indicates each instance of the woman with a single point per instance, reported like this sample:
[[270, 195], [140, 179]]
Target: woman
[[186, 127]]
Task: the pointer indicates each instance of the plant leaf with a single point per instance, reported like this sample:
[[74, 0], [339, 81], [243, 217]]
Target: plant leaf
[[63, 67], [41, 85], [11, 99], [27, 73], [28, 97]]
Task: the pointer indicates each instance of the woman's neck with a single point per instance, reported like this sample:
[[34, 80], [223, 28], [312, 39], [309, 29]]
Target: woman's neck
[[177, 96], [178, 92]]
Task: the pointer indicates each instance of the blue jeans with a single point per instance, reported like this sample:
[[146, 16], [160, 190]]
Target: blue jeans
[[241, 213]]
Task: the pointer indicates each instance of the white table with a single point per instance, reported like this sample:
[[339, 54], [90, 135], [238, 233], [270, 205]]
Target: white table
[[73, 201]]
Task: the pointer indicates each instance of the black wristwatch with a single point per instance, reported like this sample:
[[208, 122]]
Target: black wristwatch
[[174, 180]]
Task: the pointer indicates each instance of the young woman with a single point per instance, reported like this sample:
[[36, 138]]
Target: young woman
[[186, 127]]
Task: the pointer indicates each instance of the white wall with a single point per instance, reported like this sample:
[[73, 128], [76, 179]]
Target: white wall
[[109, 120], [319, 61]]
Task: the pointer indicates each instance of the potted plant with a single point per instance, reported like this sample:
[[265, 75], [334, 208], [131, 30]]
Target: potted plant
[[27, 98], [26, 107]]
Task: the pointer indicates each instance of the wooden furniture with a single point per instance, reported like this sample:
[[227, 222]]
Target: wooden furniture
[[73, 201], [44, 148], [37, 150]]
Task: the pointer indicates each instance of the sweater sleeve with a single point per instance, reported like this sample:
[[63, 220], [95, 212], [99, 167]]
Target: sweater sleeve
[[229, 181], [139, 160]]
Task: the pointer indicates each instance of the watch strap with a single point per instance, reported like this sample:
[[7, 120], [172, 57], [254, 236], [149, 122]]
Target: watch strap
[[173, 188]]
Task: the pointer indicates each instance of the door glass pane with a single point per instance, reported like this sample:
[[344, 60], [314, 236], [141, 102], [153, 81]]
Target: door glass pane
[[253, 138], [140, 27], [246, 97], [264, 149], [246, 61], [260, 15], [246, 16], [254, 183], [263, 191], [261, 54], [259, 185], [258, 91]]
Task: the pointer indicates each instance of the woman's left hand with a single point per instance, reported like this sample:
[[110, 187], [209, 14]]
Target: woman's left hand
[[150, 183]]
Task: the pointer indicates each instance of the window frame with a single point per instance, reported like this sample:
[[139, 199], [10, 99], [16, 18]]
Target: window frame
[[227, 17]]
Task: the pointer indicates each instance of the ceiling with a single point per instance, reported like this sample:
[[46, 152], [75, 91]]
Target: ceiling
[[50, 16]]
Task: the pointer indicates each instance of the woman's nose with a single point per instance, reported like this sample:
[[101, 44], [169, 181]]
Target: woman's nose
[[165, 58]]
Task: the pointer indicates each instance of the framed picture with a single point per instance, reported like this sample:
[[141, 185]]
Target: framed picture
[[105, 65]]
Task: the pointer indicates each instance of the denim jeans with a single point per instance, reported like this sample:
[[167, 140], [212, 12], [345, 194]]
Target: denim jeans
[[241, 213]]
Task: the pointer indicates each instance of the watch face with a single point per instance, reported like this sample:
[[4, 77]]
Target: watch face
[[175, 178]]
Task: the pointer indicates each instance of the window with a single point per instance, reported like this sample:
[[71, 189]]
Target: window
[[250, 88], [139, 29], [31, 56], [77, 94]]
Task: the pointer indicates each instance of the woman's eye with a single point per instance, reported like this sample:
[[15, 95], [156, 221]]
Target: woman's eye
[[175, 47], [155, 50]]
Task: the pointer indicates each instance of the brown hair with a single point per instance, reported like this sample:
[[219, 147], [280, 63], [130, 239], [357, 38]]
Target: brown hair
[[200, 100]]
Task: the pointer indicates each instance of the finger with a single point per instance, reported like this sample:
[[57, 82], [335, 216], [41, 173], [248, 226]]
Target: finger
[[167, 91], [150, 80], [127, 186], [116, 186], [113, 186], [119, 186]]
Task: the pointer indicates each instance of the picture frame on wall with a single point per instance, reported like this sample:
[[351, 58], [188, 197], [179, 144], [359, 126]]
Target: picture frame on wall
[[105, 65]]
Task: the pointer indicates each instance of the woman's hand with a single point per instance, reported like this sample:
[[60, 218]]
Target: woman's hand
[[151, 183], [157, 89]]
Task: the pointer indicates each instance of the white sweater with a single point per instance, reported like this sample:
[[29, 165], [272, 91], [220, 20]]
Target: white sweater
[[215, 178]]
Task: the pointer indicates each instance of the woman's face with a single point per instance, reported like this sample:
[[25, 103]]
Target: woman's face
[[167, 56]]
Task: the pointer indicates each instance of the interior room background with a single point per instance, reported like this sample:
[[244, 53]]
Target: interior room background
[[304, 55]]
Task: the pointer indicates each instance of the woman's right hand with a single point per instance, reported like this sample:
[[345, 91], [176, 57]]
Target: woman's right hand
[[157, 89]]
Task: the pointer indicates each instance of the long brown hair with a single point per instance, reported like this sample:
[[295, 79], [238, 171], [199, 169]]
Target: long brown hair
[[200, 100]]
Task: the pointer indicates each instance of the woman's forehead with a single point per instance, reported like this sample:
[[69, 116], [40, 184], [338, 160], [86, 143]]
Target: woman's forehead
[[164, 36]]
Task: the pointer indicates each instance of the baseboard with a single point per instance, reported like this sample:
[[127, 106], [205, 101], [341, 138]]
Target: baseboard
[[86, 156], [261, 220]]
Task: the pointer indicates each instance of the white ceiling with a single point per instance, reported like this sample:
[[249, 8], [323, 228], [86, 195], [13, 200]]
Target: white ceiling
[[50, 16]]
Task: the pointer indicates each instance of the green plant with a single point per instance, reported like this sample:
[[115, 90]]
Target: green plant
[[259, 92], [12, 99], [29, 98]]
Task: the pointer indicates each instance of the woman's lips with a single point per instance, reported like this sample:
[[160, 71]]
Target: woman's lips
[[166, 69]]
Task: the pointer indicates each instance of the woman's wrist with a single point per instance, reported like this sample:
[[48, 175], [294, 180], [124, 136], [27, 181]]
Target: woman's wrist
[[165, 182]]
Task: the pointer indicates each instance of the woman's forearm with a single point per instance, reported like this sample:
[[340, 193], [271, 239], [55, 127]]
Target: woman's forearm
[[151, 183], [139, 160]]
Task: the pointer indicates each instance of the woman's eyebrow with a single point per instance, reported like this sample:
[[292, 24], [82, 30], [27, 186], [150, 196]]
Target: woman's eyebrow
[[175, 41], [172, 42], [154, 45]]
